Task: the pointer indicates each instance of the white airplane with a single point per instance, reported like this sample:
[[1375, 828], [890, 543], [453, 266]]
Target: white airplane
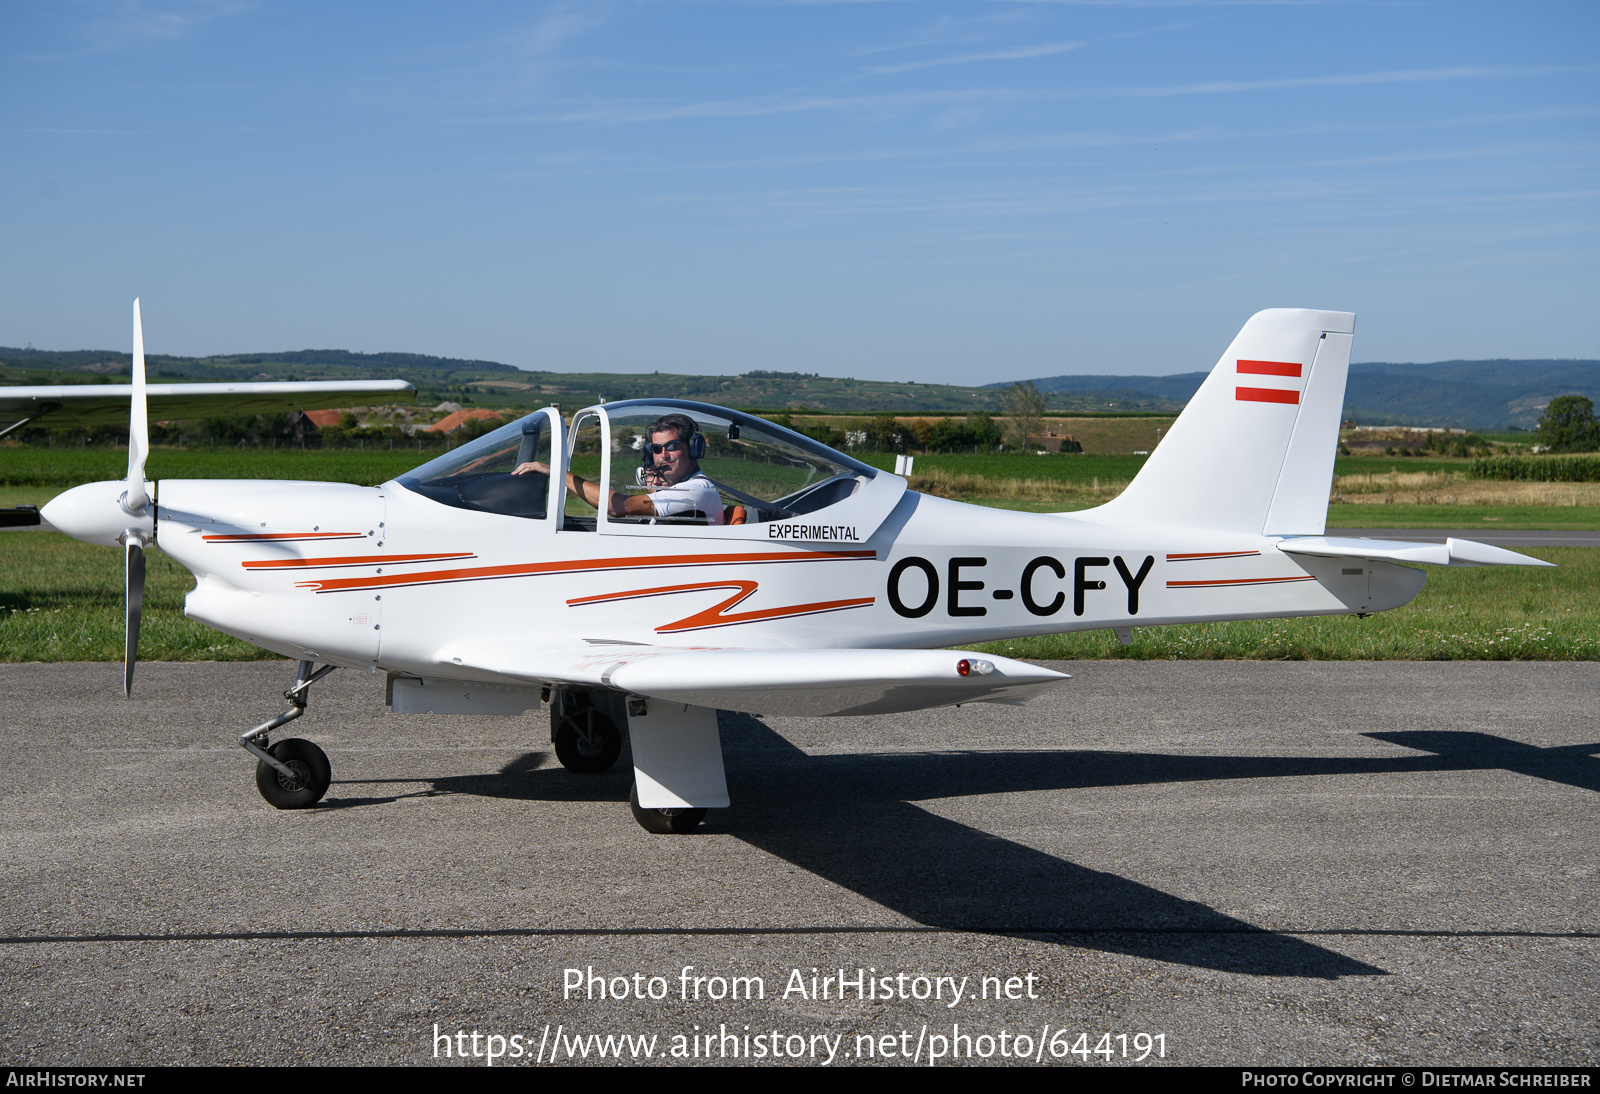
[[735, 564]]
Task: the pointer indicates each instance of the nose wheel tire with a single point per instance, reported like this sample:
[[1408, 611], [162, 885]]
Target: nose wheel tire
[[587, 741], [664, 822], [310, 779]]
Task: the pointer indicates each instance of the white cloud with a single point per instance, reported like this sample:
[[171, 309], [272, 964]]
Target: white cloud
[[558, 25], [110, 25], [624, 112], [1021, 53]]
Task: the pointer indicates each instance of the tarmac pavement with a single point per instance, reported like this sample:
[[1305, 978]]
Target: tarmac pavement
[[1225, 862]]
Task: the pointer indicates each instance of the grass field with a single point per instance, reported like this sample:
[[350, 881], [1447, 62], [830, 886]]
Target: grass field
[[1368, 491], [1100, 436], [63, 467], [1488, 517], [61, 600]]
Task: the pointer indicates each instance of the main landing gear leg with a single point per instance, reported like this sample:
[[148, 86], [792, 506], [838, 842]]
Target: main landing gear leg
[[677, 765], [586, 739], [292, 774]]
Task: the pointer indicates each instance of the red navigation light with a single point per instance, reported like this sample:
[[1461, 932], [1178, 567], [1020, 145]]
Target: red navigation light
[[963, 667]]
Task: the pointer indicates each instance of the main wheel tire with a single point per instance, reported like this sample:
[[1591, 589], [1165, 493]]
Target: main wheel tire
[[312, 774], [587, 741], [664, 822]]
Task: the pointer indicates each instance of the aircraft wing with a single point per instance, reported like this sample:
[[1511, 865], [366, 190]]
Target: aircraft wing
[[108, 404], [1452, 552], [797, 682]]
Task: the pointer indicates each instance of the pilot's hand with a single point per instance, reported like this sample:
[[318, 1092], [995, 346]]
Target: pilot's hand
[[532, 469]]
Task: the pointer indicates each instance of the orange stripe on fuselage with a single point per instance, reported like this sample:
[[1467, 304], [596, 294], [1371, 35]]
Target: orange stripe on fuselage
[[1236, 581], [263, 537], [1190, 556], [716, 616], [533, 569], [351, 560]]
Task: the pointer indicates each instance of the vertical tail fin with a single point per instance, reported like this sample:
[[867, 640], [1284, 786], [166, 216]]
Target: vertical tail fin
[[1253, 451]]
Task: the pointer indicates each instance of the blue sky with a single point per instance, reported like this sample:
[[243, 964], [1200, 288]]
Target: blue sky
[[947, 192]]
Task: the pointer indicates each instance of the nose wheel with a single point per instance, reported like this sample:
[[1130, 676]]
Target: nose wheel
[[294, 773], [307, 780]]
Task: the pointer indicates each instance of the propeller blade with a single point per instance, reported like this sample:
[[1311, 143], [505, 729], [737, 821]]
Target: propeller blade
[[135, 589], [138, 425]]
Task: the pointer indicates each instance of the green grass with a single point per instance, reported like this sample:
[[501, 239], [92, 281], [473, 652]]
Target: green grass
[[26, 495], [1084, 468], [1054, 468], [1383, 465], [1487, 517], [32, 476], [61, 600], [1564, 518], [64, 467]]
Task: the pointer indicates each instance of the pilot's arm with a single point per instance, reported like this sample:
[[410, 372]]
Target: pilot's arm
[[621, 505]]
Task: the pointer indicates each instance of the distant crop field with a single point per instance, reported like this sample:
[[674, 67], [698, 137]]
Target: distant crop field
[[63, 467], [1396, 465], [1486, 517], [1109, 436], [1368, 491], [1068, 469]]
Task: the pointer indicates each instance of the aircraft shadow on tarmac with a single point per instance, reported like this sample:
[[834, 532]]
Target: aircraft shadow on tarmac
[[850, 819]]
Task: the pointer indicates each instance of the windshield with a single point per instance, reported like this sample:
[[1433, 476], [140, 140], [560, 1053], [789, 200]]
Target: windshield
[[483, 473]]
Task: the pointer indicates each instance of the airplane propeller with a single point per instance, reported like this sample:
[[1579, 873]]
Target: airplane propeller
[[136, 503], [135, 594]]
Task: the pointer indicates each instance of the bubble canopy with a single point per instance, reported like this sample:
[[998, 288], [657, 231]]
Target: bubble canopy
[[762, 471]]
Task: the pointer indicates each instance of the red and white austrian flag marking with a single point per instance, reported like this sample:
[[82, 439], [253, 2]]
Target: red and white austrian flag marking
[[1270, 381]]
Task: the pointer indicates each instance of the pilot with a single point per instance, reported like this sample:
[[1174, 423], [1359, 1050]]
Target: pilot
[[672, 475]]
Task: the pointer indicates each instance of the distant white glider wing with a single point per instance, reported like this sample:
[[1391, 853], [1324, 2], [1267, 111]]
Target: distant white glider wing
[[109, 404], [1452, 552], [798, 682]]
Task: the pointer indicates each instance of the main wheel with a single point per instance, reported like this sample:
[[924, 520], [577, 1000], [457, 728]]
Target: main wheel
[[586, 741], [664, 822], [312, 774]]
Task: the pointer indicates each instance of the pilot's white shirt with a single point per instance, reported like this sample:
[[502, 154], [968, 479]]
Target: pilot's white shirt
[[694, 492]]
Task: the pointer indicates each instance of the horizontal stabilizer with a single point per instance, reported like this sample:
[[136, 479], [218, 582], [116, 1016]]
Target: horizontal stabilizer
[[1452, 552], [109, 404], [798, 682]]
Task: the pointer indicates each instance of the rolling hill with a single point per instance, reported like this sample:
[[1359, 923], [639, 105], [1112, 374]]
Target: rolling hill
[[1492, 394], [1496, 394]]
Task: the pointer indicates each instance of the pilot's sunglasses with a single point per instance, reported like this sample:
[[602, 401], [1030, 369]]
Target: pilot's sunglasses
[[670, 446]]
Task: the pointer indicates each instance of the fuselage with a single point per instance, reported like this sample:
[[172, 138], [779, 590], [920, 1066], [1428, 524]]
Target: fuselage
[[383, 576]]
